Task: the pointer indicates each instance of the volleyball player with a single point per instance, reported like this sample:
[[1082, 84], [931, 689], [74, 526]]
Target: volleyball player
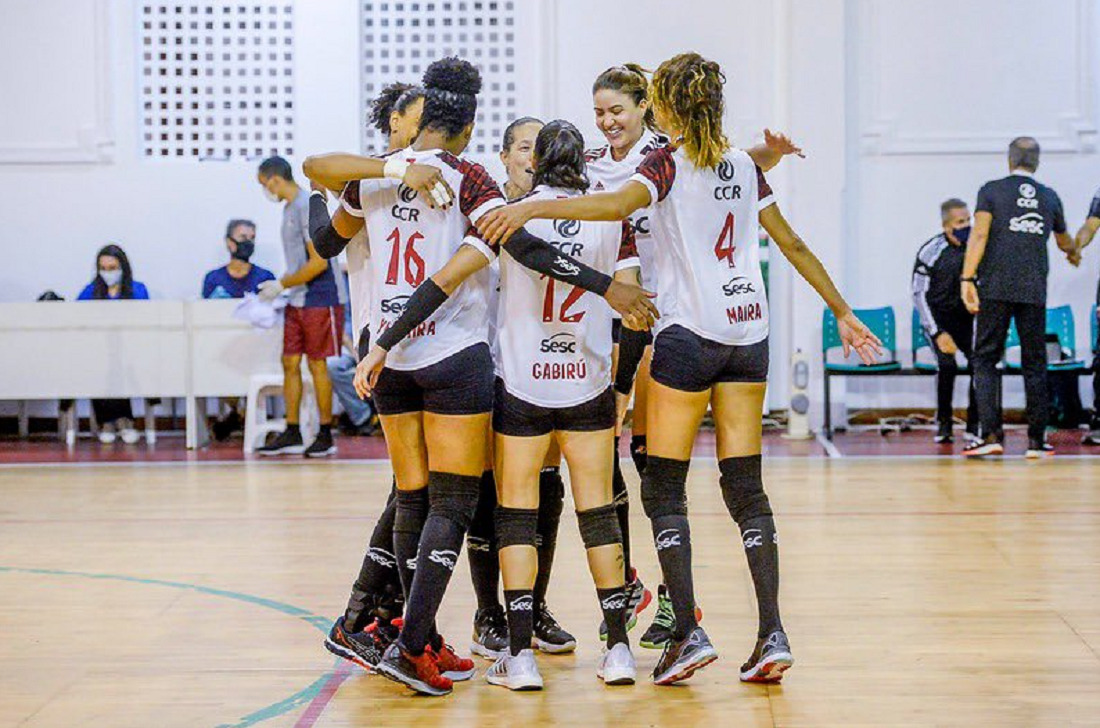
[[490, 637], [620, 99], [554, 383], [435, 394], [711, 344], [366, 628]]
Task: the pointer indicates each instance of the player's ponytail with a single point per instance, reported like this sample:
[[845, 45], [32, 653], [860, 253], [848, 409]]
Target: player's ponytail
[[559, 157], [688, 89], [631, 80]]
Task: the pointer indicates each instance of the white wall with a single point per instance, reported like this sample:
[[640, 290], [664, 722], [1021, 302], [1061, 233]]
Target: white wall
[[899, 103]]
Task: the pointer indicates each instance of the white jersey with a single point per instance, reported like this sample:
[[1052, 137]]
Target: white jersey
[[606, 174], [704, 224], [359, 280], [554, 340], [409, 241]]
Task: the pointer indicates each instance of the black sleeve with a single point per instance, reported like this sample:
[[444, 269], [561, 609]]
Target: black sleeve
[[1094, 208], [540, 256], [421, 304], [631, 348], [326, 240]]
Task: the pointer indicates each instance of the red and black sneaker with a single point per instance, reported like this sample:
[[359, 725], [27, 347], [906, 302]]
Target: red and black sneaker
[[419, 672], [451, 665], [363, 648]]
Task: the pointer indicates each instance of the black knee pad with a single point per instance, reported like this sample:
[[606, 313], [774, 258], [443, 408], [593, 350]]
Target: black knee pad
[[664, 487], [743, 488], [412, 511], [516, 526], [480, 535], [453, 496], [599, 526]]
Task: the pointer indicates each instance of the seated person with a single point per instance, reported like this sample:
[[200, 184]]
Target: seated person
[[233, 280], [114, 280], [238, 276]]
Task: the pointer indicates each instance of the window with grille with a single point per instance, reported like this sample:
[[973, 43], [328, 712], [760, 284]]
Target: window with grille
[[400, 40], [216, 79]]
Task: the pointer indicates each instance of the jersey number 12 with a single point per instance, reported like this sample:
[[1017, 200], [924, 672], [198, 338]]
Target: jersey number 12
[[548, 304]]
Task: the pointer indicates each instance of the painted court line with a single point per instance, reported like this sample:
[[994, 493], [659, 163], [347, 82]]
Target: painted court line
[[324, 696]]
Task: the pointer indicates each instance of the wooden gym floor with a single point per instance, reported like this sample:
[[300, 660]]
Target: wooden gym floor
[[916, 592]]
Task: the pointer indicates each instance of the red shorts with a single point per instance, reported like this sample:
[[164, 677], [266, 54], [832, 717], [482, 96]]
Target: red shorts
[[314, 332]]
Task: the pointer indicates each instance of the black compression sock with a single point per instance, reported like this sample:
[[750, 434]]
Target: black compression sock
[[551, 500], [613, 604], [762, 551], [482, 546], [378, 572], [440, 545], [672, 537], [622, 510], [521, 618], [409, 518]]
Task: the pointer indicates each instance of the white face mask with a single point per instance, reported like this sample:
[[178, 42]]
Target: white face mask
[[111, 277]]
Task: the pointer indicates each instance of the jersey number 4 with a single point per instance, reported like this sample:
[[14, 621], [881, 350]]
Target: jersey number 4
[[414, 264], [724, 247], [563, 315]]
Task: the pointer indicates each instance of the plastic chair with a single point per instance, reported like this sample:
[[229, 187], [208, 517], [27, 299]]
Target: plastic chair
[[1095, 329], [1060, 323], [882, 323], [256, 422]]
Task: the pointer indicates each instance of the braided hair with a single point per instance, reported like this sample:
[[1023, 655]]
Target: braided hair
[[688, 88]]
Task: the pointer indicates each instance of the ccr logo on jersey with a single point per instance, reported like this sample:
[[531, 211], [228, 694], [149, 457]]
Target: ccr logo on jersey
[[726, 170], [560, 343], [567, 228], [407, 214], [1027, 198], [406, 193]]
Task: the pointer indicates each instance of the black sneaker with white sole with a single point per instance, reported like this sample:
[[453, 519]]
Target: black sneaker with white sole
[[287, 442], [323, 446], [769, 660], [1038, 449], [944, 435], [983, 448], [363, 648], [549, 636], [682, 658], [490, 639]]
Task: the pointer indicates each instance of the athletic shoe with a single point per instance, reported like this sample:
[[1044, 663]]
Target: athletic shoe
[[419, 672], [363, 648], [549, 636], [771, 658], [516, 672], [1093, 438], [322, 447], [617, 666], [664, 622], [107, 434], [970, 438], [1038, 449], [682, 658], [638, 598], [943, 434], [490, 638], [451, 666], [127, 433], [224, 428], [982, 448], [285, 443]]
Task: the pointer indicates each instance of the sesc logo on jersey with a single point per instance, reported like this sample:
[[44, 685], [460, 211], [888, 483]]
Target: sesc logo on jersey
[[560, 345], [1031, 222]]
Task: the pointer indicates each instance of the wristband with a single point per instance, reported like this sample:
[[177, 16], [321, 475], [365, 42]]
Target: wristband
[[421, 304], [395, 167]]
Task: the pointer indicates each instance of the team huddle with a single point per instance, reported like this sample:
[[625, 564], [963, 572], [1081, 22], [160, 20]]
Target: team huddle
[[630, 268]]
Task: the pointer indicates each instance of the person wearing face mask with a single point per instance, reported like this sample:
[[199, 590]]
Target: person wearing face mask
[[946, 322], [238, 276], [114, 280]]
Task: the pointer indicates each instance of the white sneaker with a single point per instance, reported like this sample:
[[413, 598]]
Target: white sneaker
[[518, 672], [617, 666], [107, 434], [127, 432]]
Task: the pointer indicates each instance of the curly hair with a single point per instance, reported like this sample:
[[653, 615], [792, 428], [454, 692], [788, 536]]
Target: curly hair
[[559, 157], [395, 97], [451, 86], [688, 88], [631, 80]]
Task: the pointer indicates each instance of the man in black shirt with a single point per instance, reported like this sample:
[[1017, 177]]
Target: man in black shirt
[[947, 325], [1084, 237], [1006, 260]]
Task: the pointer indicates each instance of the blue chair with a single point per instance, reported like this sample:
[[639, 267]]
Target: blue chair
[[1060, 323], [920, 342], [1095, 328], [882, 324]]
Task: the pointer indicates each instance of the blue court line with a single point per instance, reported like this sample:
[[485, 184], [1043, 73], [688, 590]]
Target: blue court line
[[297, 700]]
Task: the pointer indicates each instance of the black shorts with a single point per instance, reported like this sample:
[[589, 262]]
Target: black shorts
[[686, 361], [616, 329], [461, 384], [514, 417]]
